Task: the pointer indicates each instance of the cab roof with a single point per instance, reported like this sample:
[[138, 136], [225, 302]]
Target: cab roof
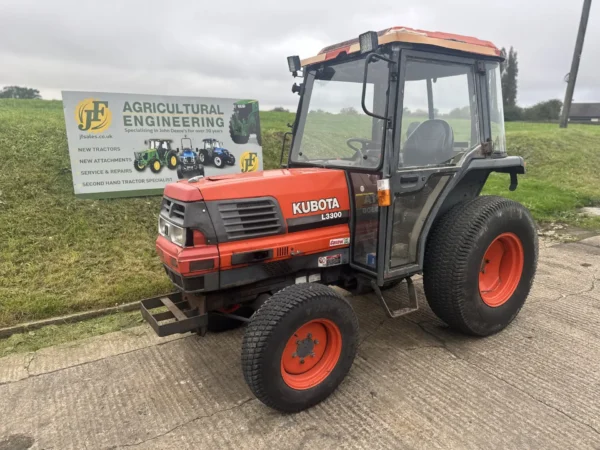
[[450, 41]]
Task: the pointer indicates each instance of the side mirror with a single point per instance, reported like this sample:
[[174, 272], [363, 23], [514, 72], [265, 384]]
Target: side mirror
[[372, 57]]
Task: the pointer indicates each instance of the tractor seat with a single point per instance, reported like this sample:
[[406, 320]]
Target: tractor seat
[[431, 143]]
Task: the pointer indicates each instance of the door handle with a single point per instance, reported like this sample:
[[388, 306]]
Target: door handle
[[409, 179]]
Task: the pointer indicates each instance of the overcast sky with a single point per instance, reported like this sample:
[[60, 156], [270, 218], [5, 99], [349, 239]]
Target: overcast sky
[[237, 48]]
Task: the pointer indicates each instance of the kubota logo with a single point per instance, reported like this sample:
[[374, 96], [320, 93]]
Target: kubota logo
[[249, 162], [315, 205], [93, 115]]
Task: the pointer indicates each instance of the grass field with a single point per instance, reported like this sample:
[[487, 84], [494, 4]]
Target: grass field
[[59, 254]]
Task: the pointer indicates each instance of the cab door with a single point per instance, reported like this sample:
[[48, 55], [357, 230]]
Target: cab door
[[438, 127]]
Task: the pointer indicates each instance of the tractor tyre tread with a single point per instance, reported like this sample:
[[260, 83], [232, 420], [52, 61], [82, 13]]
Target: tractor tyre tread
[[455, 244], [265, 329]]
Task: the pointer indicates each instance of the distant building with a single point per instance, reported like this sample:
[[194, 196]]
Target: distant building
[[585, 113]]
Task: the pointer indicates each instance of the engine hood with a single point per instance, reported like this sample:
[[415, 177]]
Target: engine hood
[[298, 191]]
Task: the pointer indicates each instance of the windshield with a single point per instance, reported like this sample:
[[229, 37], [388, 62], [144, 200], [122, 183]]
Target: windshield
[[332, 127]]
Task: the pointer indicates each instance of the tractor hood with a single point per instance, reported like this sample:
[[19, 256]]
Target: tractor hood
[[298, 191]]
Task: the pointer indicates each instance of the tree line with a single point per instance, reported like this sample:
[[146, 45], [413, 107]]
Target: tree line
[[19, 92]]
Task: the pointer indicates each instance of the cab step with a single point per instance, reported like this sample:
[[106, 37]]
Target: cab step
[[413, 304]]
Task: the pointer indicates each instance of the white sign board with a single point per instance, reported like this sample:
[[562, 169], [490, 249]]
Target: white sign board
[[132, 145]]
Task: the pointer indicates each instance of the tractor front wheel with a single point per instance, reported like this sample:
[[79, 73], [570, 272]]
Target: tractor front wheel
[[139, 165], [480, 261], [299, 346], [155, 166], [218, 162], [171, 160]]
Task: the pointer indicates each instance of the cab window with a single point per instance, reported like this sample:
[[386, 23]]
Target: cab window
[[439, 117]]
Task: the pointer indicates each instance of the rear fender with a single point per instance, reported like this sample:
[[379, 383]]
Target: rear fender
[[467, 184]]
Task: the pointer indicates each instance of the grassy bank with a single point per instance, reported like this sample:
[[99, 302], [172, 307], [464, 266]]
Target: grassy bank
[[59, 254]]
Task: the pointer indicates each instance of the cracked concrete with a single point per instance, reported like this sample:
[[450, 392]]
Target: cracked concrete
[[414, 383]]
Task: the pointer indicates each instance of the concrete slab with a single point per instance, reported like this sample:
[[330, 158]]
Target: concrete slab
[[414, 383]]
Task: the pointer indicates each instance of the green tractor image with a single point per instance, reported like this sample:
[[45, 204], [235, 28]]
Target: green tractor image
[[158, 155], [245, 121]]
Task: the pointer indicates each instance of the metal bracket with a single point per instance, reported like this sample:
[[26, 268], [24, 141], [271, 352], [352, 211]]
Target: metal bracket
[[413, 304]]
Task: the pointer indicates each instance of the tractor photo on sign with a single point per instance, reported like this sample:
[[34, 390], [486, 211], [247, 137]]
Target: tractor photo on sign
[[245, 121], [214, 153], [158, 155]]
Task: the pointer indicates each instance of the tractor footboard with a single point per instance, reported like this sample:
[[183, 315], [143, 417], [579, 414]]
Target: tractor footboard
[[172, 314]]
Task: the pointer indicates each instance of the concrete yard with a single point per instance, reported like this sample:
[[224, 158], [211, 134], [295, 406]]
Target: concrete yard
[[414, 384]]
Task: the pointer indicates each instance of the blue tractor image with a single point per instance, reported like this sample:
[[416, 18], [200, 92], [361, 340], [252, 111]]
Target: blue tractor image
[[189, 164], [214, 153]]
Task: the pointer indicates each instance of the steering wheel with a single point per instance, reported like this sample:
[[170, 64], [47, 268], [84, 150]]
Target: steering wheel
[[364, 143]]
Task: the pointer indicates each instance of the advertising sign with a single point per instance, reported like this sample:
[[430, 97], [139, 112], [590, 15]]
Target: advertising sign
[[125, 145]]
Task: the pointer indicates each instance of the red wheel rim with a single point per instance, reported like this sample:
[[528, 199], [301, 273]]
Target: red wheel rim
[[501, 269], [310, 354]]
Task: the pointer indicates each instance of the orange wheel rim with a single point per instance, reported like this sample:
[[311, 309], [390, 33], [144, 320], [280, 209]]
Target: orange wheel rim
[[501, 269], [311, 354]]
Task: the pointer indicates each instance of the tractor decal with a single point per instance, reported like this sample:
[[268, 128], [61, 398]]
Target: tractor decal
[[158, 155], [245, 121]]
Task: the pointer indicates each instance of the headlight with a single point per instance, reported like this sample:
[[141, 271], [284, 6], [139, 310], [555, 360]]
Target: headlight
[[172, 232]]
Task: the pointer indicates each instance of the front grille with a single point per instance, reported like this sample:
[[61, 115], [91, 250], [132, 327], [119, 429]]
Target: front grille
[[172, 208], [250, 219]]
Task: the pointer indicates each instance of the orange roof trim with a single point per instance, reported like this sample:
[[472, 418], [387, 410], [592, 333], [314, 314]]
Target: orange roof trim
[[410, 35]]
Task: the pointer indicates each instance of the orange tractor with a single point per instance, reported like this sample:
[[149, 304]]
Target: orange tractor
[[395, 136]]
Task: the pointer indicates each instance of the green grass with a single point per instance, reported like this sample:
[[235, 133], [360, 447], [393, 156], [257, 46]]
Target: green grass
[[59, 254], [562, 171], [59, 334]]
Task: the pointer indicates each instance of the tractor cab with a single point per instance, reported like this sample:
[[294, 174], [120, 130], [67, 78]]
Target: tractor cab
[[409, 124], [162, 146]]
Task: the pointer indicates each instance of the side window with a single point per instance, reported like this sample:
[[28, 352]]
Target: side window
[[439, 118], [494, 85]]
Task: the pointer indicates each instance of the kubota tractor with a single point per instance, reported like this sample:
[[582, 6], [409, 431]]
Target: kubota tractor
[[245, 121], [395, 136], [158, 155]]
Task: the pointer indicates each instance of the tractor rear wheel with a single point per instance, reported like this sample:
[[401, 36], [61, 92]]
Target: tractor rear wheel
[[258, 136], [237, 138], [155, 166], [299, 346], [480, 262], [171, 160]]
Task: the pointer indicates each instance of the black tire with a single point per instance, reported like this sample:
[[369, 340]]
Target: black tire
[[237, 138], [180, 175], [139, 166], [154, 167], [218, 162], [454, 258], [231, 160], [275, 323], [218, 323], [258, 135], [170, 155], [203, 157]]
